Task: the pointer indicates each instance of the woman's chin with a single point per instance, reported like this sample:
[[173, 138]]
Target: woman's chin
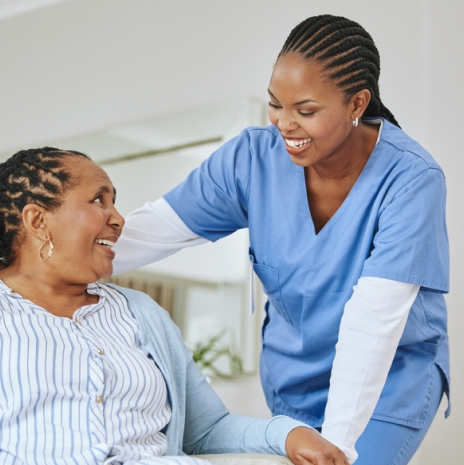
[[103, 268], [106, 273], [91, 275]]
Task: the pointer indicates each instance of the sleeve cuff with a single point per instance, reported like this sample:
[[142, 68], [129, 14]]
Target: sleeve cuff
[[277, 431]]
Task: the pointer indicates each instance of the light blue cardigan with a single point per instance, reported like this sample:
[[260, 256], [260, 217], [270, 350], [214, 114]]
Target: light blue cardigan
[[200, 423]]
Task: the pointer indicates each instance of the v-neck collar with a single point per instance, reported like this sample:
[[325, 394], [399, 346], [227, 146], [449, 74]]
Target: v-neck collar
[[304, 211]]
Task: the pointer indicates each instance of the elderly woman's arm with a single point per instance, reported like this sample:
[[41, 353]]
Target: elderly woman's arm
[[211, 429]]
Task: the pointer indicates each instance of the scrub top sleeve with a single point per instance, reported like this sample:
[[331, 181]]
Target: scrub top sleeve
[[411, 244], [212, 201]]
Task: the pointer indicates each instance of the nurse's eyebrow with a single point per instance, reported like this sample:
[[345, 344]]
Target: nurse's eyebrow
[[295, 104], [272, 95], [304, 101]]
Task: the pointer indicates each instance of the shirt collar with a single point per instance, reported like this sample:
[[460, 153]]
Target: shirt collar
[[92, 288]]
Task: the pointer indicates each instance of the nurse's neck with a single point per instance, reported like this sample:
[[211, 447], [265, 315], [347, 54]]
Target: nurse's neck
[[349, 159], [329, 181]]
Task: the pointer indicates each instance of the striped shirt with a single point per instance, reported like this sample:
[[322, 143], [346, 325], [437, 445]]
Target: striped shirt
[[77, 391]]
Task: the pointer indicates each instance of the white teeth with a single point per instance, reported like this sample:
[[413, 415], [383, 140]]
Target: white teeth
[[104, 242], [298, 143]]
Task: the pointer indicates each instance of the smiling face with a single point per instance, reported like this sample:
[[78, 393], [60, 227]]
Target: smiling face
[[84, 228], [311, 112]]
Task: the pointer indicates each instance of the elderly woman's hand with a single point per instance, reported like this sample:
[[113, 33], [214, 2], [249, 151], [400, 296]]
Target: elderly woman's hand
[[306, 446]]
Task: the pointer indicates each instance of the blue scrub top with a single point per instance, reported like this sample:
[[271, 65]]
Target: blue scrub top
[[391, 225]]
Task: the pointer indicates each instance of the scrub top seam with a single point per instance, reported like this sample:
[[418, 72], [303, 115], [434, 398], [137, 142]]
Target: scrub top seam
[[259, 129], [405, 151], [415, 424], [425, 171], [419, 296], [436, 285]]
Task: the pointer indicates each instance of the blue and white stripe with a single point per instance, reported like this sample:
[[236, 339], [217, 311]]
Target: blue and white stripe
[[77, 391]]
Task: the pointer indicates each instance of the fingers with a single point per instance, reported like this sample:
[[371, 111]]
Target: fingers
[[306, 446]]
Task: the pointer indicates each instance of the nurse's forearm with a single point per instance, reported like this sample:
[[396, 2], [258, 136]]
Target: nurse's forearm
[[151, 233], [371, 328]]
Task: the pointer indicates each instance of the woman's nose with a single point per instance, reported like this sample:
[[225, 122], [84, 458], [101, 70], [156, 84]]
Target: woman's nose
[[286, 122], [116, 220]]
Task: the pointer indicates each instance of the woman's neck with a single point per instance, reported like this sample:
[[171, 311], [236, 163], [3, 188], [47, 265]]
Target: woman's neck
[[328, 183], [58, 297], [347, 161]]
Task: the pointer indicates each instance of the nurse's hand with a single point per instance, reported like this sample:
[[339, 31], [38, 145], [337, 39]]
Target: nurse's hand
[[306, 446]]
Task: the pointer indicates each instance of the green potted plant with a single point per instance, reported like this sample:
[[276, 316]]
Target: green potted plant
[[206, 354]]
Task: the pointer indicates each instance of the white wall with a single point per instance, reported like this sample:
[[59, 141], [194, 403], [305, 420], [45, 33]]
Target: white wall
[[86, 64], [83, 65], [443, 104]]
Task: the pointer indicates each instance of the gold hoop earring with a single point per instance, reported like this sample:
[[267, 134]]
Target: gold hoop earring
[[50, 250], [355, 122]]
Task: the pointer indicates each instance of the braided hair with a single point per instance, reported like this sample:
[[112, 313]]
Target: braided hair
[[35, 176], [347, 53]]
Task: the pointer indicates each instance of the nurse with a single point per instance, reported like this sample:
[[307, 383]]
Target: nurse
[[346, 217]]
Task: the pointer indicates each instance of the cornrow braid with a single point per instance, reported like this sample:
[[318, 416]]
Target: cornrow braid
[[347, 53], [30, 176]]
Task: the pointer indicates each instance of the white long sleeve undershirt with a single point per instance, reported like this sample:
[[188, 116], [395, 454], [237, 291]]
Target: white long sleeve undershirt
[[370, 330], [151, 233]]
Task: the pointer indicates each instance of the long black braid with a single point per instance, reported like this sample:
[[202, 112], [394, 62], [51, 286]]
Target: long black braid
[[347, 53], [30, 176]]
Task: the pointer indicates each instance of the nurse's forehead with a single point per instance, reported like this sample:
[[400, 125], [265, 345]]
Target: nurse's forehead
[[295, 68], [296, 71], [300, 102]]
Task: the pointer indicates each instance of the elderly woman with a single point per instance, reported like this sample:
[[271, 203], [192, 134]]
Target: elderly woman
[[92, 373]]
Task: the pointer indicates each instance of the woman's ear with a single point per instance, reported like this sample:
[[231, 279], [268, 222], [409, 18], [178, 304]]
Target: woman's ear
[[35, 221], [359, 103]]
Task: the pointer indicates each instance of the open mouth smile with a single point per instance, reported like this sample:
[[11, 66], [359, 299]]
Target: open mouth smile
[[297, 144], [105, 242], [296, 147]]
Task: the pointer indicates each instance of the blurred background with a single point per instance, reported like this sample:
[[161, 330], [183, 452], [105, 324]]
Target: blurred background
[[148, 88]]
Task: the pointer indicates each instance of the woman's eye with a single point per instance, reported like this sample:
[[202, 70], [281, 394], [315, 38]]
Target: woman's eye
[[306, 113], [274, 105], [98, 200]]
